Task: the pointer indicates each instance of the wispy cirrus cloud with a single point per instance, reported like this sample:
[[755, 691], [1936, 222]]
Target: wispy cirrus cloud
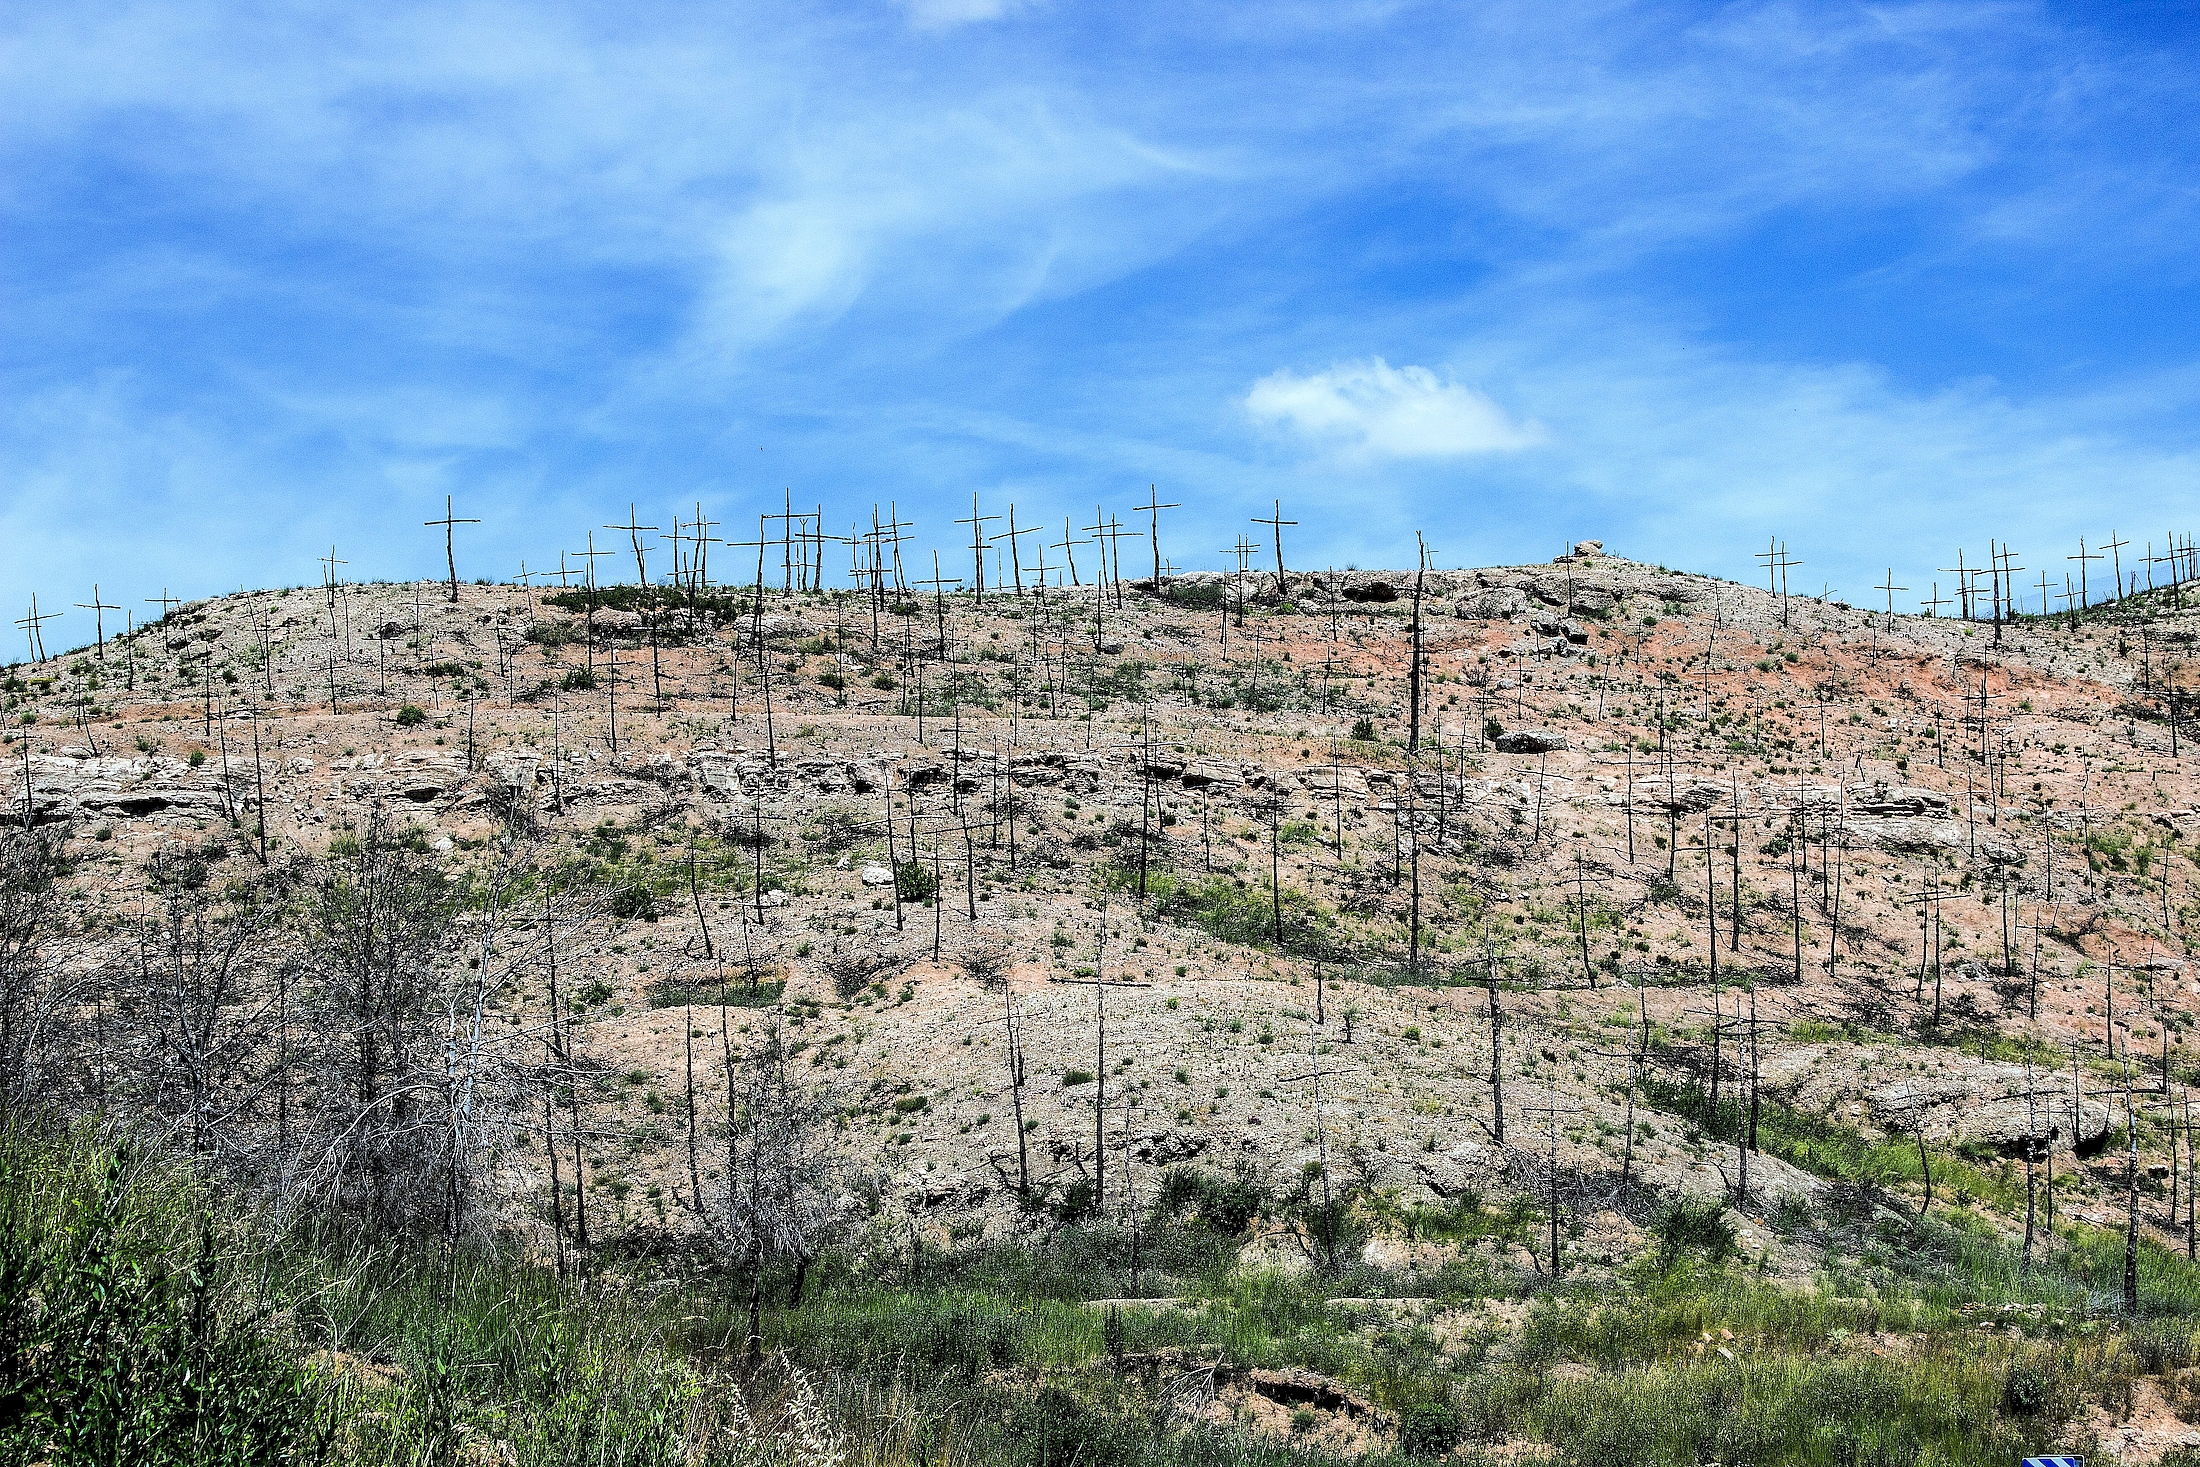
[[939, 14], [1370, 409], [1677, 269]]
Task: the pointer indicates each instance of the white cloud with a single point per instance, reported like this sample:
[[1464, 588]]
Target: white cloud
[[948, 220], [935, 14], [1375, 410]]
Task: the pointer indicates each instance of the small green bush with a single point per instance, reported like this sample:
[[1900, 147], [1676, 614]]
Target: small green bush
[[412, 715], [1428, 1426], [915, 881], [1693, 1224]]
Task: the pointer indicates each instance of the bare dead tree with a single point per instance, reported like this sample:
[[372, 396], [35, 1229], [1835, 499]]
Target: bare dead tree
[[2131, 1197], [32, 1001], [206, 982], [987, 963], [1497, 1029], [783, 1178], [449, 524], [378, 916]]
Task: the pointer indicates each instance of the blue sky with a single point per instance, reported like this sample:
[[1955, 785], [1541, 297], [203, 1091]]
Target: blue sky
[[1884, 281]]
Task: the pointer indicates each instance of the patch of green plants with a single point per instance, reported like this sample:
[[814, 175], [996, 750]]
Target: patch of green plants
[[765, 993], [142, 1318], [1249, 916]]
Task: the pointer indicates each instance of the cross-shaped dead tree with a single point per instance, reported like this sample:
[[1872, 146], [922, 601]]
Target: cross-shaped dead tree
[[99, 625], [450, 523], [977, 523], [1152, 509], [33, 623], [634, 528], [1276, 522]]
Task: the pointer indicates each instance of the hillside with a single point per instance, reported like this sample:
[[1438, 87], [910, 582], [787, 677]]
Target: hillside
[[1854, 931]]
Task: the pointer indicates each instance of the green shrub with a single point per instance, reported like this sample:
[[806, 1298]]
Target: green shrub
[[915, 881], [412, 715], [1245, 915], [1428, 1426], [2029, 1387], [110, 1354], [1693, 1224], [553, 633], [1223, 1205]]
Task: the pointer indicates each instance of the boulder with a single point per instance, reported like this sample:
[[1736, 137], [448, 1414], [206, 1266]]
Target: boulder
[[1595, 600], [1161, 1148], [514, 768], [1530, 741], [1465, 1166], [877, 876], [1552, 626], [1492, 603], [826, 776], [722, 773]]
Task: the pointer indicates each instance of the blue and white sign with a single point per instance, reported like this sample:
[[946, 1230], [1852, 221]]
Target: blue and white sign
[[2053, 1462]]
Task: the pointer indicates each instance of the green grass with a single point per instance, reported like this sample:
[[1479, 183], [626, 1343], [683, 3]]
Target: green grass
[[668, 993], [1829, 1149], [988, 1351], [1242, 914]]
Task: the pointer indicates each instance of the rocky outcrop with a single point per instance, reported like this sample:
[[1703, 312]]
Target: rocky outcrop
[[1464, 1166], [514, 769], [73, 787], [1530, 741], [418, 776], [1954, 1099]]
